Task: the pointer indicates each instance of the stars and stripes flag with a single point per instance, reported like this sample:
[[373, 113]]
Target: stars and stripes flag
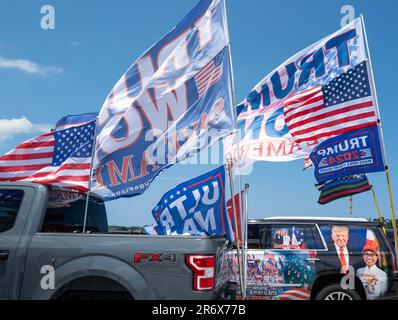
[[342, 105], [295, 294], [209, 75], [61, 158]]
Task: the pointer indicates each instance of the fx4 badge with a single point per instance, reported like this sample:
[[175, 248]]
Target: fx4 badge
[[154, 257]]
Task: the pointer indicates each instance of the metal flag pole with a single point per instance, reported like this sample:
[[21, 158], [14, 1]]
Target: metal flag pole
[[233, 92], [235, 119], [90, 176], [350, 205], [231, 185], [244, 222], [394, 222], [378, 209], [233, 95]]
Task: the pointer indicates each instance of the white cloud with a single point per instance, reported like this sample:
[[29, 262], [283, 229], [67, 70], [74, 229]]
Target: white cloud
[[12, 127], [28, 66]]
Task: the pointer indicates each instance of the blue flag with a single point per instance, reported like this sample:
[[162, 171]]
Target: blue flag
[[354, 152], [195, 207], [173, 102], [75, 120]]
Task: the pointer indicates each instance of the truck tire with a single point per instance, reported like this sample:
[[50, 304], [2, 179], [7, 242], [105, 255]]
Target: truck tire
[[336, 292], [95, 295], [93, 288]]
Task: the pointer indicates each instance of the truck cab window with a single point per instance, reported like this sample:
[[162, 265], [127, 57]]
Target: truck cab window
[[253, 236], [65, 213], [10, 202]]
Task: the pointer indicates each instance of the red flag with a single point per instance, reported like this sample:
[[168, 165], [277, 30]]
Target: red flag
[[238, 215]]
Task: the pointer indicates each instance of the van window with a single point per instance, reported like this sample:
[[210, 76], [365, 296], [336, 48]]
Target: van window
[[65, 213], [10, 202], [284, 237], [314, 240], [357, 238]]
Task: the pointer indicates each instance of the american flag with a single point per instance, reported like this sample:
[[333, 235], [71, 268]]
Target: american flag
[[61, 158], [209, 75], [344, 104], [295, 294]]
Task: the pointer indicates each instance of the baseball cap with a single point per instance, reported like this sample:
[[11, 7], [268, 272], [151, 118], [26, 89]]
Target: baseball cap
[[370, 248]]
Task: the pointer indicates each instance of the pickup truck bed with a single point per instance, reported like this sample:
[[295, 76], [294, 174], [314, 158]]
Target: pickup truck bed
[[96, 264]]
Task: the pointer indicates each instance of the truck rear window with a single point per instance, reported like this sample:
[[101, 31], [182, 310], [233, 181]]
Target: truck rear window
[[65, 213], [10, 201]]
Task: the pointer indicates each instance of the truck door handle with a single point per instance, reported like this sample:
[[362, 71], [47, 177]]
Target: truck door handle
[[4, 255]]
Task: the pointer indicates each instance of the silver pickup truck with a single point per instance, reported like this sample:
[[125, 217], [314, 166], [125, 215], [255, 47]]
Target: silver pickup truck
[[45, 255]]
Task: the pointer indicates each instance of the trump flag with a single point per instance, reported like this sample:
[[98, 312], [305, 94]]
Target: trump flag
[[173, 101], [261, 121], [195, 207], [353, 152]]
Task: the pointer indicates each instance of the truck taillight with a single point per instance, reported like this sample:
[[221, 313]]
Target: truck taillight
[[202, 267]]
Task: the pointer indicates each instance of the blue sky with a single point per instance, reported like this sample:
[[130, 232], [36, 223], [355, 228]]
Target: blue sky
[[46, 74]]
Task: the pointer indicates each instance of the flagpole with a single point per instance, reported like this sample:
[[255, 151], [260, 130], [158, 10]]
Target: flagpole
[[394, 222], [245, 236], [90, 176], [231, 185], [350, 205], [235, 116], [246, 210], [233, 92], [378, 208]]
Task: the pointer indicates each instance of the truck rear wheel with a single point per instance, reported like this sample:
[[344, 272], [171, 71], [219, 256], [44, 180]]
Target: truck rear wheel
[[336, 292], [93, 288], [95, 295]]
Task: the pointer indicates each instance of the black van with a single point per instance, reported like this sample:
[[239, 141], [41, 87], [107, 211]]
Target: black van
[[302, 258]]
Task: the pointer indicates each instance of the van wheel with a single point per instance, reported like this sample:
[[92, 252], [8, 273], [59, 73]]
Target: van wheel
[[335, 292]]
